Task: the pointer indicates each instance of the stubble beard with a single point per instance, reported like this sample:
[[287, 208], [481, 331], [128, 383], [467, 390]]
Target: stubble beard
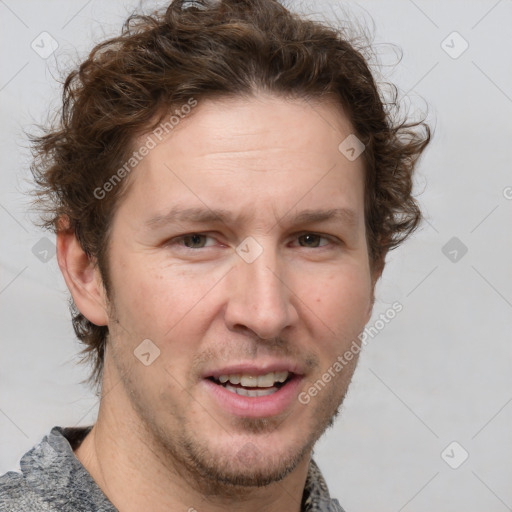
[[224, 475], [195, 460]]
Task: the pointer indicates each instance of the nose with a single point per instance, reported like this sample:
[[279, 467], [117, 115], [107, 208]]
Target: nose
[[260, 297]]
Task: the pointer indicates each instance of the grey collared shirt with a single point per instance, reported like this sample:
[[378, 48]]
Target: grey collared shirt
[[52, 479]]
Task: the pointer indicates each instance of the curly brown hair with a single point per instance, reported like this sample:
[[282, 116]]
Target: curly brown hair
[[202, 50]]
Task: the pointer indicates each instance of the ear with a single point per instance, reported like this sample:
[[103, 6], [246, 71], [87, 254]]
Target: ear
[[82, 276]]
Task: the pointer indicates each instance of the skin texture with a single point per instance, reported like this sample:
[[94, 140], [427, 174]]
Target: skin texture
[[161, 442]]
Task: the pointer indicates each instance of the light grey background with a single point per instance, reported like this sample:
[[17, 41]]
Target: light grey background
[[439, 372]]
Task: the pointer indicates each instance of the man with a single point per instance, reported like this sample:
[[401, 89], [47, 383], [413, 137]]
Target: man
[[224, 183]]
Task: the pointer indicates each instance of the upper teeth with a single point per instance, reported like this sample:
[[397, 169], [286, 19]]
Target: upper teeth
[[255, 381]]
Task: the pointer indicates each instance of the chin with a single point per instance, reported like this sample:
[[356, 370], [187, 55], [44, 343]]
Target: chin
[[251, 465]]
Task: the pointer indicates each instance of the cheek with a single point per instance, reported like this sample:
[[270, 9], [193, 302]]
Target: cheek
[[137, 290], [341, 302], [156, 299]]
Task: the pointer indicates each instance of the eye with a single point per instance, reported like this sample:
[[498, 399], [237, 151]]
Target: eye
[[196, 241], [312, 240], [192, 241]]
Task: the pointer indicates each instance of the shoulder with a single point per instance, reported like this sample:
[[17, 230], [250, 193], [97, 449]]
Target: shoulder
[[51, 478], [16, 494]]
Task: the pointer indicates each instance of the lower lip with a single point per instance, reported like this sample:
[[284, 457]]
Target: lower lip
[[258, 406]]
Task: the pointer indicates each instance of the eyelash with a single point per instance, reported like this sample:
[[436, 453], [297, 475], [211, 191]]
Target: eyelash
[[177, 240]]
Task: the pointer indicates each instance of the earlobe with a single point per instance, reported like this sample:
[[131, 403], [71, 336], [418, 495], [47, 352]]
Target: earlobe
[[82, 278]]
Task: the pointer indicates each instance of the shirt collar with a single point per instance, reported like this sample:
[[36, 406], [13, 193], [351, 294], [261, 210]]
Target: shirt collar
[[316, 496]]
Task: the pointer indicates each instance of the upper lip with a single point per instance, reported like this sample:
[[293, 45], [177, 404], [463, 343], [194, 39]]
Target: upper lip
[[255, 369]]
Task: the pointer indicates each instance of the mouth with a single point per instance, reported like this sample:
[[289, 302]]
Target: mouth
[[252, 386], [253, 393]]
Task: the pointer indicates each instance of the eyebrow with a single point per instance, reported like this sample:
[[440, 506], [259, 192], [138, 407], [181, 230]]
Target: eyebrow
[[206, 215]]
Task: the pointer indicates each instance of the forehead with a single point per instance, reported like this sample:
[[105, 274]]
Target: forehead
[[244, 127], [261, 152]]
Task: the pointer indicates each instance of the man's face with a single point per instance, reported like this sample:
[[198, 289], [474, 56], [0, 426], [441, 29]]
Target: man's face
[[271, 281]]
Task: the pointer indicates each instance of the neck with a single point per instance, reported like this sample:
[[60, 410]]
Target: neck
[[136, 473]]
